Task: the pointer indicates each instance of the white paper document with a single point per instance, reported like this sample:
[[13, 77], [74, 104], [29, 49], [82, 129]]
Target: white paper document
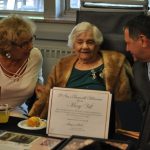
[[20, 141], [78, 112]]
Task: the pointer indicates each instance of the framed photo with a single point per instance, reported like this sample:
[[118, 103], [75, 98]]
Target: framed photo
[[13, 140], [12, 137], [88, 143], [47, 143]]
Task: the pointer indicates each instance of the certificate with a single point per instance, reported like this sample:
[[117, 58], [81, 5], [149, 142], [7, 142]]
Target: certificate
[[78, 112]]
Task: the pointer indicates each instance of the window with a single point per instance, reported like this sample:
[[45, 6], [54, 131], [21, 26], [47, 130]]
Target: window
[[31, 8], [22, 5], [130, 4], [74, 4], [126, 4], [37, 9], [63, 8]]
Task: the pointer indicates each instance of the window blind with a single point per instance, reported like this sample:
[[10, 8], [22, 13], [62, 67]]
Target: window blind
[[142, 4], [128, 2]]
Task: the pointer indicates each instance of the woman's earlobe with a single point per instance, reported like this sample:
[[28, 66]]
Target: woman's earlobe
[[8, 55]]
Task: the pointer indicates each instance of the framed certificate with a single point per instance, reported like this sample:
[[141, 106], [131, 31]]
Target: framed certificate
[[78, 112]]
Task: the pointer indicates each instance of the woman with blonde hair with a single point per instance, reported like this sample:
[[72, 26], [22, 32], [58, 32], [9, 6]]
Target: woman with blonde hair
[[20, 62]]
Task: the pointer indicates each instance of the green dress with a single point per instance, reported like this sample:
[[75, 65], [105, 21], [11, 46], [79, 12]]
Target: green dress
[[87, 79]]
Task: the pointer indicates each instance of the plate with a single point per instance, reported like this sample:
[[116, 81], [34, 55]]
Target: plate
[[23, 124]]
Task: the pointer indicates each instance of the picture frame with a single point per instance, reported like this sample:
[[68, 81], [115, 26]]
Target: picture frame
[[20, 141], [79, 142]]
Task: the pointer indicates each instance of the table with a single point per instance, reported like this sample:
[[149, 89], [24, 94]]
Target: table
[[13, 121], [12, 126]]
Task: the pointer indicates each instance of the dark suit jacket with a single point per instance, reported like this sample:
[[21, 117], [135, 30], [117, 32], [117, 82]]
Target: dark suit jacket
[[142, 84]]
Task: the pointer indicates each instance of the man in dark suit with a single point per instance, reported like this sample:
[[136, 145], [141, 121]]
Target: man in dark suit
[[137, 38]]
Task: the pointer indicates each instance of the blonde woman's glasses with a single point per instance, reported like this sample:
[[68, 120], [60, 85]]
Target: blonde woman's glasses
[[24, 43]]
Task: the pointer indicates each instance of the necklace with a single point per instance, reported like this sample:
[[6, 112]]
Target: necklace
[[15, 75]]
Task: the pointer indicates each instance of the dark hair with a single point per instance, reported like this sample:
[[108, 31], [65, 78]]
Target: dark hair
[[138, 25]]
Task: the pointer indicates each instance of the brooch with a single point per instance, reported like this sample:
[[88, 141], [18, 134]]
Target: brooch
[[93, 74], [96, 74]]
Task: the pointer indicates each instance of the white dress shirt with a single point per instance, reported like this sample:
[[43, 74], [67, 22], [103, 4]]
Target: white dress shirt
[[148, 66]]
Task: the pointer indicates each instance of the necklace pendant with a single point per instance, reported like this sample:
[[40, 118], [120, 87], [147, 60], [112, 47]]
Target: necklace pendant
[[101, 75], [93, 74]]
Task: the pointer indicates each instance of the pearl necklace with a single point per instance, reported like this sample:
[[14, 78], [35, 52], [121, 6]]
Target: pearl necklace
[[15, 75]]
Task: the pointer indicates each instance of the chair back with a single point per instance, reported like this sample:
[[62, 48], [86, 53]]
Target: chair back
[[111, 24]]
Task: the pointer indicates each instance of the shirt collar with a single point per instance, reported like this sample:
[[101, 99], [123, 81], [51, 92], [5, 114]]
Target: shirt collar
[[148, 66]]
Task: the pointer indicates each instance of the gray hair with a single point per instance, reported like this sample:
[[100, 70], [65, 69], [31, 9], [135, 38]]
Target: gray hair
[[82, 27]]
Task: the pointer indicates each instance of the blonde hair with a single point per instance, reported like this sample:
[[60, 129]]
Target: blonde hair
[[83, 27], [15, 28]]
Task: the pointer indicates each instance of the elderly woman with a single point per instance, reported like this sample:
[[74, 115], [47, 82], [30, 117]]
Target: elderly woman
[[20, 62], [88, 68]]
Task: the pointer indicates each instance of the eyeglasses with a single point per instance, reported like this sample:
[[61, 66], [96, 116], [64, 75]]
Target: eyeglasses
[[24, 43]]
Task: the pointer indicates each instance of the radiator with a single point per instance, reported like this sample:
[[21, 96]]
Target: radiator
[[51, 57]]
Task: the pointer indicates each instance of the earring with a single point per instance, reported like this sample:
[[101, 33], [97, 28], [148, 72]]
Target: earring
[[8, 55]]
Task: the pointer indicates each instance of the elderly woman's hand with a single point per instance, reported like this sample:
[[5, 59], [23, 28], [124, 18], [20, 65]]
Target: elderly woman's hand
[[44, 112], [37, 108], [40, 106]]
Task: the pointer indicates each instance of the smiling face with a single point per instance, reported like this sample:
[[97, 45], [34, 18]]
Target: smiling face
[[16, 37], [85, 46], [137, 47]]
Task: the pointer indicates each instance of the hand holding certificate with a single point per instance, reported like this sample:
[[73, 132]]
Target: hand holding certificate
[[78, 112]]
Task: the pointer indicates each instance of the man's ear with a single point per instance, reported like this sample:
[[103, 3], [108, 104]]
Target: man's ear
[[145, 41]]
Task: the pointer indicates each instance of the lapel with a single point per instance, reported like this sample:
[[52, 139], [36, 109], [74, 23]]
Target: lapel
[[141, 80], [142, 83]]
